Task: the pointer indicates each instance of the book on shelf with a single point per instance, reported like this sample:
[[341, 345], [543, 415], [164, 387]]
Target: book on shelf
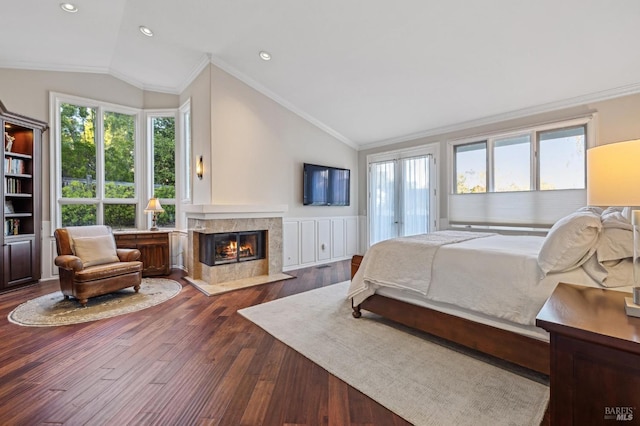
[[12, 227], [14, 165], [12, 186]]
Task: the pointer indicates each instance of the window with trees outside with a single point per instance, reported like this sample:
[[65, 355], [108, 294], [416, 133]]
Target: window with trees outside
[[104, 171], [524, 177], [533, 160], [163, 144]]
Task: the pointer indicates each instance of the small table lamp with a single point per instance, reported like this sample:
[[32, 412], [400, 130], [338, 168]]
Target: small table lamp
[[154, 207], [613, 176]]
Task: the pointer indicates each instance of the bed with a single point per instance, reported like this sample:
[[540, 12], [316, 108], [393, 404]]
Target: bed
[[483, 290]]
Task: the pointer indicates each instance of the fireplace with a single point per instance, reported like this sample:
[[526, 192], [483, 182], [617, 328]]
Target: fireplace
[[232, 247], [265, 262]]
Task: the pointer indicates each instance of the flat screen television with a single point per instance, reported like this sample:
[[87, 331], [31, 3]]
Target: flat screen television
[[325, 186]]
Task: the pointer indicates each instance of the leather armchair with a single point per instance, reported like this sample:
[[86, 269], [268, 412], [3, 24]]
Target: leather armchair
[[90, 264]]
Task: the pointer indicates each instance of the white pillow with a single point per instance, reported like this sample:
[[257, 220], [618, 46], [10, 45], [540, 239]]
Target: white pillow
[[615, 244], [96, 250], [570, 242]]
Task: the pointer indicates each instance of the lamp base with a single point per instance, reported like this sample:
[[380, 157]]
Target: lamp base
[[154, 228], [631, 308]]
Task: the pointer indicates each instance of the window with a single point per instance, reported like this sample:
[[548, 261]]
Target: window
[[561, 162], [512, 164], [163, 147], [562, 158], [471, 167], [526, 177], [104, 172], [97, 166]]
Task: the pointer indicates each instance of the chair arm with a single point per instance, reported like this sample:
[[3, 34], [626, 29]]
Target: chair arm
[[128, 255], [69, 262]]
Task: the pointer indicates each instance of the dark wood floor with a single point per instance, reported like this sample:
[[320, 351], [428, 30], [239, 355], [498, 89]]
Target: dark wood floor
[[190, 360]]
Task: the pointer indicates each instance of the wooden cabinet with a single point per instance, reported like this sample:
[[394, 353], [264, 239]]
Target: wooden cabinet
[[21, 193], [154, 250], [595, 356]]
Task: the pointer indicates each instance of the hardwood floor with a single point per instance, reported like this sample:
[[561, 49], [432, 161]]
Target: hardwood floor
[[190, 360]]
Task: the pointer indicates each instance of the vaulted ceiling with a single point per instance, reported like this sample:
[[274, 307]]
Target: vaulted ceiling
[[367, 71]]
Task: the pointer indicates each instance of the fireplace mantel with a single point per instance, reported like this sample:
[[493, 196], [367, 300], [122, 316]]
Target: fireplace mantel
[[234, 211]]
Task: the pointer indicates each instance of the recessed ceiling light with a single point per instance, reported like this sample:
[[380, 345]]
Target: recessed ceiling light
[[69, 7], [265, 56], [146, 31]]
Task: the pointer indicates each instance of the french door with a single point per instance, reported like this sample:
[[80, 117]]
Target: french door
[[402, 194]]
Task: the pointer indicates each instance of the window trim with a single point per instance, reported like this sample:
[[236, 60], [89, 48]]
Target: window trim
[[149, 155], [143, 162], [490, 138], [534, 208], [432, 149]]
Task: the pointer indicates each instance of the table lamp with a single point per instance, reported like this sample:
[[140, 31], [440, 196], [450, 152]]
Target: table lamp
[[155, 208], [613, 176]]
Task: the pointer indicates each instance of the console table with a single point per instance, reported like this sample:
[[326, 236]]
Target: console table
[[595, 356], [154, 249]]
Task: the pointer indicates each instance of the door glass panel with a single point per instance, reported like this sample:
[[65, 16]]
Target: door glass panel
[[383, 202], [415, 196]]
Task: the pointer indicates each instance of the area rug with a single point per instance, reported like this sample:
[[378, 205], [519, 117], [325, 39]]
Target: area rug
[[421, 381], [52, 310]]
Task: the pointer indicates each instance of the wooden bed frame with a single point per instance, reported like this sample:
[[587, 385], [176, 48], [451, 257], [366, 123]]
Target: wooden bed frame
[[518, 349]]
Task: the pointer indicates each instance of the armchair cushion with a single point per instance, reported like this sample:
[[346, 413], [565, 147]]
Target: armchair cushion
[[96, 250]]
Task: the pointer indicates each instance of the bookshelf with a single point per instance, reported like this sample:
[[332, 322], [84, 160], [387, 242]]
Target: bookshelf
[[21, 193]]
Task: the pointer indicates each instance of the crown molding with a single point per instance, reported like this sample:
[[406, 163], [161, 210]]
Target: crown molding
[[37, 66]]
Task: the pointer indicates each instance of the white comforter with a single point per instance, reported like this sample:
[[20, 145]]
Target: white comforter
[[495, 275]]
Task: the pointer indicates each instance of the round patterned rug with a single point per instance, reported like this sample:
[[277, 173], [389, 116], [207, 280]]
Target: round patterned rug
[[52, 310]]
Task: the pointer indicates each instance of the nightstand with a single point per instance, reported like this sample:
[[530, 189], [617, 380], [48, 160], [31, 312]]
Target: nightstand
[[154, 249], [595, 356]]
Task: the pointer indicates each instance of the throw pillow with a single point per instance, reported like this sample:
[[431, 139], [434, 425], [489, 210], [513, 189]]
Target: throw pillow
[[96, 250]]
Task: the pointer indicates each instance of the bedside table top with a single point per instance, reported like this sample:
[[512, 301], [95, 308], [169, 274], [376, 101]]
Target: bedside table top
[[141, 232], [592, 314]]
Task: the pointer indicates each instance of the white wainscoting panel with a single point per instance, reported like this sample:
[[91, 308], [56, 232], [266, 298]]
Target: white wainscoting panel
[[291, 245], [338, 240], [351, 235], [319, 240], [323, 227], [307, 241], [179, 241]]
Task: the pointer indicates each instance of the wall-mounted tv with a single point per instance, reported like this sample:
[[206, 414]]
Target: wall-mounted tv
[[325, 186]]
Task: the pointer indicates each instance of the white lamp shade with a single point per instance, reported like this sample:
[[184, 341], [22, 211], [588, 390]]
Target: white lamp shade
[[154, 206], [613, 174]]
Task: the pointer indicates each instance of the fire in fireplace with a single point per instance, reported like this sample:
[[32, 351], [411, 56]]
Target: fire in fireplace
[[232, 247]]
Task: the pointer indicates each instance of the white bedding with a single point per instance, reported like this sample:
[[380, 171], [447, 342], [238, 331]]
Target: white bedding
[[405, 262], [495, 277]]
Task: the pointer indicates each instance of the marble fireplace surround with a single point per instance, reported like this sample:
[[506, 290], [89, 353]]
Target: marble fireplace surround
[[209, 219]]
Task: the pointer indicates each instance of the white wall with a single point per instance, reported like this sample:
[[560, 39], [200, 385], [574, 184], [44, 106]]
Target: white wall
[[617, 120], [257, 148]]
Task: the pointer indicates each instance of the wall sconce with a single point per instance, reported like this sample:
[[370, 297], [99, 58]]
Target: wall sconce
[[154, 207], [199, 167]]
